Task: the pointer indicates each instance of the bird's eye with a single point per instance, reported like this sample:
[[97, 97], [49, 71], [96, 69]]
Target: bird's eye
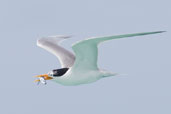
[[55, 72], [50, 73]]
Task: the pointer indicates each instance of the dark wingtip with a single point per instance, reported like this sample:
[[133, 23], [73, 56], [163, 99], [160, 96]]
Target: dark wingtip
[[161, 31]]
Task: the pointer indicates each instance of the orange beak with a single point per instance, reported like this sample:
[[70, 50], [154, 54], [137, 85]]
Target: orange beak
[[45, 76]]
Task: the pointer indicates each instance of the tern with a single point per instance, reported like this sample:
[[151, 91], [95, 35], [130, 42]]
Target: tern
[[81, 67]]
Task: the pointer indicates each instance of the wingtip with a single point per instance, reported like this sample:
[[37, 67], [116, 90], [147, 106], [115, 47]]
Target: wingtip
[[161, 31], [60, 36]]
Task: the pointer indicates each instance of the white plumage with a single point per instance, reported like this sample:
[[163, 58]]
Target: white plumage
[[83, 66]]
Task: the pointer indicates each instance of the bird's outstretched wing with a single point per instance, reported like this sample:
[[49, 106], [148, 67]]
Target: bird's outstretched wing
[[51, 44], [86, 51]]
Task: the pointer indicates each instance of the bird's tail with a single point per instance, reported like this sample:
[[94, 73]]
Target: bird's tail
[[107, 73]]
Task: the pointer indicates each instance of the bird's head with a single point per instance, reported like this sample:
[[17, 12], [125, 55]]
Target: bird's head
[[52, 73]]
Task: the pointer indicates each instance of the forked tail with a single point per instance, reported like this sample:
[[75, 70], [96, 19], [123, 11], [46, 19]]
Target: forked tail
[[107, 73]]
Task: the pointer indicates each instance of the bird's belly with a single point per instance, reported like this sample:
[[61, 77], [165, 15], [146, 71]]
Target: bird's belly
[[78, 78]]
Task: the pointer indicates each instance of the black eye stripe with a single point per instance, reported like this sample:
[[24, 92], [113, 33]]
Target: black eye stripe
[[59, 72], [55, 71]]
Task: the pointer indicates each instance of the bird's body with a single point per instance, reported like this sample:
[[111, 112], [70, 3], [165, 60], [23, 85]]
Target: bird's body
[[76, 78], [82, 67], [82, 77]]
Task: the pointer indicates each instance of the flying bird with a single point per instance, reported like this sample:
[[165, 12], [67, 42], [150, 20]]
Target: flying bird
[[81, 67]]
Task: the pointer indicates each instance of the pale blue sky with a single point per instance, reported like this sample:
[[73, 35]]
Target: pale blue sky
[[146, 60]]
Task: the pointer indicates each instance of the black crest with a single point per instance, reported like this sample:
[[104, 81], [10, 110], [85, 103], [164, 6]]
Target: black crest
[[59, 72]]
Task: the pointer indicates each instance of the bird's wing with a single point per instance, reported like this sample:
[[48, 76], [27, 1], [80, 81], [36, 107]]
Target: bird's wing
[[86, 51], [51, 44]]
